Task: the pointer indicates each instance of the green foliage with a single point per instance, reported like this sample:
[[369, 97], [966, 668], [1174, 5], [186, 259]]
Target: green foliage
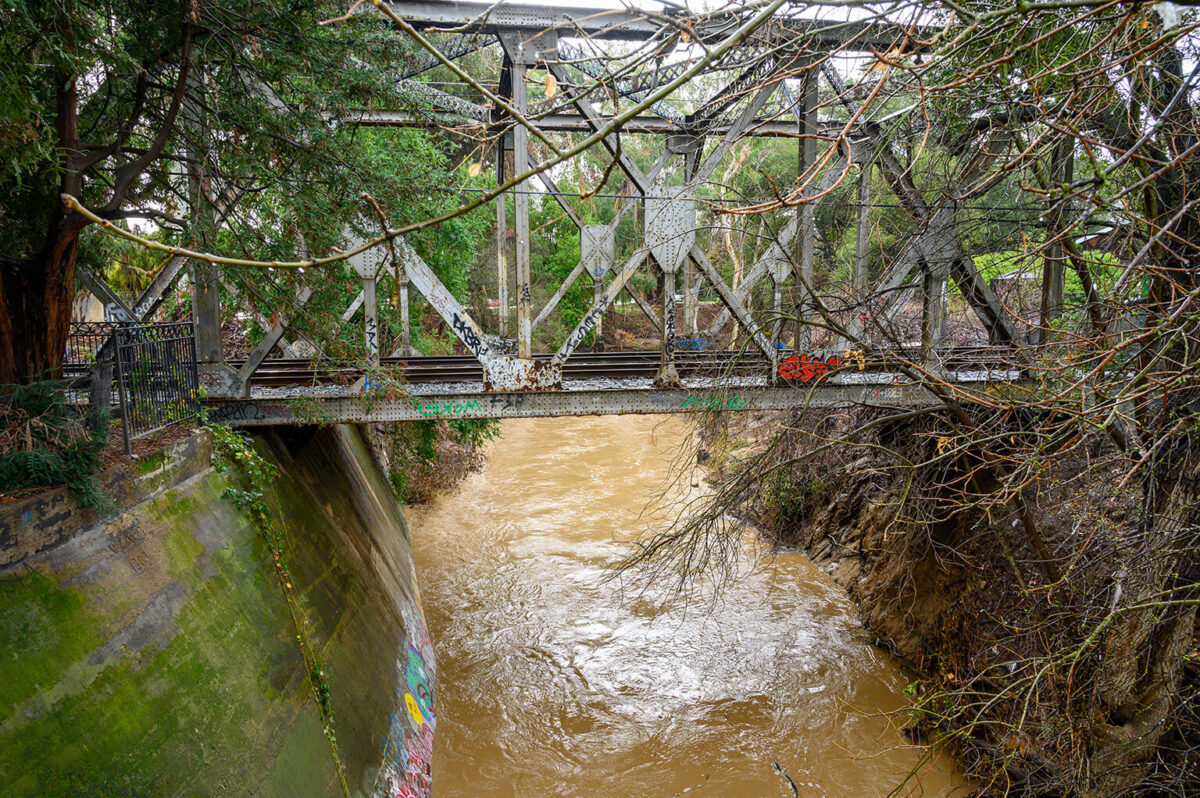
[[46, 443], [788, 499], [475, 432], [425, 457]]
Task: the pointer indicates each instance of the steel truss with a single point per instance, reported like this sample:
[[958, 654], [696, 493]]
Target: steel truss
[[756, 101]]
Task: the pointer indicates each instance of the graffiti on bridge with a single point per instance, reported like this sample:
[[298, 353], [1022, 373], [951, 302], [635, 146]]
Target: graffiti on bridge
[[807, 368], [466, 333], [714, 403], [449, 408], [249, 411]]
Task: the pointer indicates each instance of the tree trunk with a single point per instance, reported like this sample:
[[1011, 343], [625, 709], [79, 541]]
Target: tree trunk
[[35, 311]]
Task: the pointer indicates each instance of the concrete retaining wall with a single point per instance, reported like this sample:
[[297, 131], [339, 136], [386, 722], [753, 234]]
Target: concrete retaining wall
[[153, 653]]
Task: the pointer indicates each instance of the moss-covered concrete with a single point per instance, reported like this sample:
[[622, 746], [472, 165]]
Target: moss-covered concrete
[[154, 654]]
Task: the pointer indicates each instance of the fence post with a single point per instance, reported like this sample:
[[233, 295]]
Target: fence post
[[100, 394], [119, 351]]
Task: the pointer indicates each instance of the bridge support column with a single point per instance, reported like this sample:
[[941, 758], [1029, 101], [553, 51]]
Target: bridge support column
[[214, 375], [691, 147], [406, 348]]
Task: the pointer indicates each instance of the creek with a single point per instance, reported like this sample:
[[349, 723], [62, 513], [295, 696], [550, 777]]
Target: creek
[[554, 681]]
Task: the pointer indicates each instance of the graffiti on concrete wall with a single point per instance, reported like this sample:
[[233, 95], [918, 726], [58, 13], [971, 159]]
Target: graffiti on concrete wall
[[407, 770]]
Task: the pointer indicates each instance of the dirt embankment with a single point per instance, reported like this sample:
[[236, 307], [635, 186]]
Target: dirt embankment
[[1025, 613]]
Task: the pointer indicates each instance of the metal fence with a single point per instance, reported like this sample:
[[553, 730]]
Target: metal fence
[[84, 345], [156, 376]]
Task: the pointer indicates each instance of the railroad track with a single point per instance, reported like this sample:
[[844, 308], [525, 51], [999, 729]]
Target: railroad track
[[584, 365]]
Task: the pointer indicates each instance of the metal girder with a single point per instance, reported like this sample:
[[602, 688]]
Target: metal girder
[[647, 311], [574, 123], [753, 76], [592, 317], [635, 85], [776, 251], [561, 198], [258, 412], [596, 70], [733, 135], [517, 61], [439, 298], [629, 24], [597, 248], [114, 305], [734, 305], [496, 17], [279, 325], [596, 122], [424, 93], [452, 48], [560, 293]]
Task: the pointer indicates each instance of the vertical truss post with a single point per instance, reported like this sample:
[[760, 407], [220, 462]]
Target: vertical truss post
[[521, 208], [1062, 171], [216, 377], [597, 254], [501, 244], [670, 231], [933, 310], [401, 277], [206, 310], [597, 290], [367, 265], [862, 245], [691, 147], [862, 233], [806, 250], [776, 328], [668, 374], [371, 320]]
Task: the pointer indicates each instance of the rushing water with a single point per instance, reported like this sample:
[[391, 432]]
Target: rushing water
[[551, 682]]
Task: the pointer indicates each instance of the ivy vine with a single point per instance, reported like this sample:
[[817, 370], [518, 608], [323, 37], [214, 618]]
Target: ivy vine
[[235, 457]]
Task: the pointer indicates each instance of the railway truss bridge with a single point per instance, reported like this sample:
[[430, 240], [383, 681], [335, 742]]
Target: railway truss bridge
[[797, 347]]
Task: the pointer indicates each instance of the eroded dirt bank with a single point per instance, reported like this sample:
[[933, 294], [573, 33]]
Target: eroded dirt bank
[[1038, 667]]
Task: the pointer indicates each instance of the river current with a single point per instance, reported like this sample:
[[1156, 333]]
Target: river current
[[552, 681]]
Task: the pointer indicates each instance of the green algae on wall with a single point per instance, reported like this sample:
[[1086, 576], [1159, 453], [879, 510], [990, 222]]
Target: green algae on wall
[[153, 654]]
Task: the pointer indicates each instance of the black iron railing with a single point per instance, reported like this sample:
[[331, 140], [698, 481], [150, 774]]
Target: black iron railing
[[152, 365], [86, 344], [156, 376]]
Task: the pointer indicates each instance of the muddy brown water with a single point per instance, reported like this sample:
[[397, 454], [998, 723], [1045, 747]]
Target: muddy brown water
[[551, 681]]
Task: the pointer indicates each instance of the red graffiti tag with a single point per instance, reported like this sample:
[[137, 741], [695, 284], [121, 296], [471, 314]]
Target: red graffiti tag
[[806, 368]]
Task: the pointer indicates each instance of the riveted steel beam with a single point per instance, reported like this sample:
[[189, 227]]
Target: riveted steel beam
[[885, 390], [629, 24]]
